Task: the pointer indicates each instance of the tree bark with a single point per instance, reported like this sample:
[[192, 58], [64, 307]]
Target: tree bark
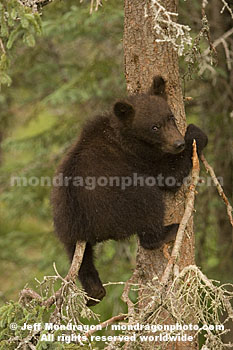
[[145, 58]]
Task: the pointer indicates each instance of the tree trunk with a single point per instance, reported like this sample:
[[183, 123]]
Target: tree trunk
[[145, 58]]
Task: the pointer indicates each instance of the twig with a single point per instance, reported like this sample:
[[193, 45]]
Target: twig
[[70, 277], [186, 216], [113, 283], [177, 34], [26, 342], [227, 6], [125, 294], [107, 323], [219, 188], [76, 262], [207, 61], [2, 46], [219, 41], [227, 53], [29, 293], [165, 251], [208, 284]]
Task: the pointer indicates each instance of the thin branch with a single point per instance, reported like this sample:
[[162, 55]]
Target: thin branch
[[227, 53], [227, 6], [186, 217], [177, 34], [208, 283], [207, 62], [219, 41], [210, 170], [94, 3], [28, 293], [70, 277], [76, 262], [125, 294], [2, 46]]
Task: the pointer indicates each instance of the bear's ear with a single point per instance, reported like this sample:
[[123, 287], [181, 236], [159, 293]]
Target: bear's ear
[[123, 110], [158, 87]]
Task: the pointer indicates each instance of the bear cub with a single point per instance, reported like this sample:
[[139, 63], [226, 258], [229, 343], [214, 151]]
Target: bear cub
[[136, 142]]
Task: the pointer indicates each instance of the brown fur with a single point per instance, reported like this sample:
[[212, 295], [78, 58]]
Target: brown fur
[[139, 136]]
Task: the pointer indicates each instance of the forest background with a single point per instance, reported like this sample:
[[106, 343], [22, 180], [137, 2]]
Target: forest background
[[75, 70]]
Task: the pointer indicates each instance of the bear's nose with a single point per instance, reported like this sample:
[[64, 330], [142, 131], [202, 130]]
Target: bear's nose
[[179, 145]]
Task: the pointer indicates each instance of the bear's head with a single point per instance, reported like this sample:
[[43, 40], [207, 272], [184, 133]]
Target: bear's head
[[147, 119]]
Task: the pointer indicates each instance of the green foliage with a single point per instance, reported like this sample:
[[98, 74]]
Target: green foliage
[[74, 71], [17, 22], [14, 313]]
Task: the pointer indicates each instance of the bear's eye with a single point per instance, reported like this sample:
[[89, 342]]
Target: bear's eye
[[155, 127]]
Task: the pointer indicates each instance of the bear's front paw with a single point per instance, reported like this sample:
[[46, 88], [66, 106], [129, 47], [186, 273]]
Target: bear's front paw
[[193, 132]]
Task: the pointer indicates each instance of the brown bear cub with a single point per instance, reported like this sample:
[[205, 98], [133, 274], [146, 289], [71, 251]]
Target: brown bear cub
[[114, 176]]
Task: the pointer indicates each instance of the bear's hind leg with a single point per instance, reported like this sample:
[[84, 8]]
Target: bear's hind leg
[[170, 232], [89, 277], [162, 234]]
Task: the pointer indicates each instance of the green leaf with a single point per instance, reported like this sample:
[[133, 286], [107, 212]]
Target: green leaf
[[35, 20], [13, 14], [5, 79], [13, 36], [24, 22], [11, 22], [29, 39], [38, 23], [4, 62], [30, 17], [4, 27]]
